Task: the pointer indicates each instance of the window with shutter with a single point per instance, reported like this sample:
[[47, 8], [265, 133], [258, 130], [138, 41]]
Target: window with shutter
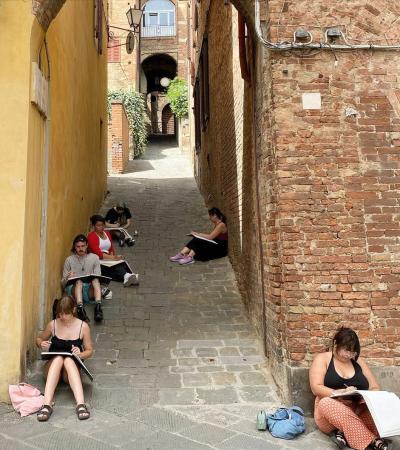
[[114, 51]]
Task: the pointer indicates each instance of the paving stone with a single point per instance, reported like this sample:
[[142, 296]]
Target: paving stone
[[236, 360], [12, 444], [208, 434], [202, 352], [195, 379], [210, 368], [64, 439], [229, 351], [112, 381], [117, 401], [244, 442], [163, 418], [218, 395], [26, 428], [124, 433], [256, 394], [252, 378], [181, 396], [224, 378], [198, 343], [4, 408], [166, 441]]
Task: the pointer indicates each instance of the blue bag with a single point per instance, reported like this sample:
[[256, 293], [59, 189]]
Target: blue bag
[[286, 423]]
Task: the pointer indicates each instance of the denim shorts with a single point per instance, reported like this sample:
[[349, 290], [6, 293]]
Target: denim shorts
[[85, 292]]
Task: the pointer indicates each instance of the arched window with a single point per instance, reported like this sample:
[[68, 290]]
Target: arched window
[[158, 18]]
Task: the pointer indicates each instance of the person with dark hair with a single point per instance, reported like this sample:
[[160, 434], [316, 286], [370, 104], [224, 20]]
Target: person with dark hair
[[118, 220], [112, 265], [82, 263], [206, 246], [64, 334], [348, 422]]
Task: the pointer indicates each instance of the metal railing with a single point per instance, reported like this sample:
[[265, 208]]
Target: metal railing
[[158, 30]]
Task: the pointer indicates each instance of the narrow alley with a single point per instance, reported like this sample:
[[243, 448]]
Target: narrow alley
[[176, 364]]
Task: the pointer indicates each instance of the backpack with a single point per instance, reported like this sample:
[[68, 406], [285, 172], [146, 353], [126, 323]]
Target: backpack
[[25, 398], [284, 423]]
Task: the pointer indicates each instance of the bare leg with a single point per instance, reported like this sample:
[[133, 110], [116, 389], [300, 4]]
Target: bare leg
[[53, 377], [95, 290], [191, 253], [78, 292], [72, 376], [185, 251]]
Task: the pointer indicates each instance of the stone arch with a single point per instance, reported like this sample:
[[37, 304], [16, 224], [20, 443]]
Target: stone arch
[[157, 66], [168, 120], [46, 10]]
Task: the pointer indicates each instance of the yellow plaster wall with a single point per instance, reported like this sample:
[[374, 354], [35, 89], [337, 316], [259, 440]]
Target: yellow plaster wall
[[77, 161], [16, 23]]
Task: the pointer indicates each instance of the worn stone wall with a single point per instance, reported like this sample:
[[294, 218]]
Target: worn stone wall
[[118, 139], [328, 180]]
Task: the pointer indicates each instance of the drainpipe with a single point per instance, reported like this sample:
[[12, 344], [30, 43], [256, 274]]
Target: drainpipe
[[45, 203]]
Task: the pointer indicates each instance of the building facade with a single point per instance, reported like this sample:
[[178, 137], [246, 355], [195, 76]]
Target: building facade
[[53, 159], [300, 149]]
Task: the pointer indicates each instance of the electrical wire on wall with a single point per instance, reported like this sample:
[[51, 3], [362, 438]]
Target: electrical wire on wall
[[326, 45]]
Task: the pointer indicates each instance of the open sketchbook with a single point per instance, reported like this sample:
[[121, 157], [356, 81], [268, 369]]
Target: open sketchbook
[[89, 278], [111, 263], [384, 407], [81, 364], [202, 238]]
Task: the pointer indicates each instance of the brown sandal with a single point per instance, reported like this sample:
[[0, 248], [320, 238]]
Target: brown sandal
[[82, 411], [44, 413]]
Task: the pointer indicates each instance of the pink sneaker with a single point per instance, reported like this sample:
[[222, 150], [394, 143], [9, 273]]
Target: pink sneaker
[[186, 260], [177, 257]]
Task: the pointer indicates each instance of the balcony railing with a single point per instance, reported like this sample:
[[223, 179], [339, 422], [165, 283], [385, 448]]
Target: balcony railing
[[158, 30]]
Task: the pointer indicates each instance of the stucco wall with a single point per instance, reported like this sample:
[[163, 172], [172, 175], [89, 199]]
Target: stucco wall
[[77, 159], [14, 113]]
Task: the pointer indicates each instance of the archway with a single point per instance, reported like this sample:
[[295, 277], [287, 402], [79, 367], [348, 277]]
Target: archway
[[156, 67], [168, 120]]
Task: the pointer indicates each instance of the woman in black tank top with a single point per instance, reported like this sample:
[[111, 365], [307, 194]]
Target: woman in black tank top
[[65, 334], [348, 422]]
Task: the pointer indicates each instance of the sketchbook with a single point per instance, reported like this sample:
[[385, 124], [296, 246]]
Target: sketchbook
[[89, 278], [81, 364], [202, 238], [110, 263], [384, 407]]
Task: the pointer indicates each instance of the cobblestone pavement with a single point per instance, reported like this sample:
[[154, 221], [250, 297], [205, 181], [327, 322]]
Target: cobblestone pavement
[[177, 364]]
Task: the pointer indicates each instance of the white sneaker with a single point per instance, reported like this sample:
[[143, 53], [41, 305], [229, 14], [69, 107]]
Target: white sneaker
[[131, 279], [108, 296]]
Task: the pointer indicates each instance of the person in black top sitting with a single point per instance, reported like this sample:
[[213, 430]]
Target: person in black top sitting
[[200, 248], [64, 334], [119, 216], [348, 422]]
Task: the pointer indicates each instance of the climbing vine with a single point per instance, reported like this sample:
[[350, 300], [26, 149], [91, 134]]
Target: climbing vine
[[177, 94], [136, 112]]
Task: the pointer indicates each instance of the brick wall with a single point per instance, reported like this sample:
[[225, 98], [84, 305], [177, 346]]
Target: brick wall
[[327, 178], [118, 139]]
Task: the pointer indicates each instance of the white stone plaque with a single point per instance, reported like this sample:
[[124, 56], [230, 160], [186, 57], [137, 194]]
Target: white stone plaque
[[311, 100]]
